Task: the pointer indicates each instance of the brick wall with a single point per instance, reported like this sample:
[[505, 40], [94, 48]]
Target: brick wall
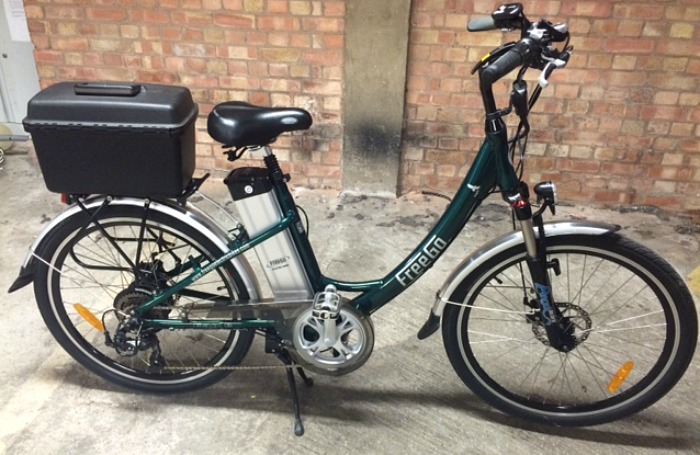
[[270, 52], [619, 125]]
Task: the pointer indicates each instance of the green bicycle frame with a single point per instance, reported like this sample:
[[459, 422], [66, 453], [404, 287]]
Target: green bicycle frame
[[490, 168], [475, 188]]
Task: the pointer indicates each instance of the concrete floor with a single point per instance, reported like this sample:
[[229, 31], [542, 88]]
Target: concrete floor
[[406, 399]]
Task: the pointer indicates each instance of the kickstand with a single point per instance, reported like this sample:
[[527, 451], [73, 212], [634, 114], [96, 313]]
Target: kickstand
[[287, 360]]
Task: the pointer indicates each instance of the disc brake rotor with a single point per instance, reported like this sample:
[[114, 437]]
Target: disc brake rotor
[[576, 321]]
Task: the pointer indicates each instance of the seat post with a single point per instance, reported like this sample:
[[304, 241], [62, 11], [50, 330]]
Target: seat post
[[274, 166]]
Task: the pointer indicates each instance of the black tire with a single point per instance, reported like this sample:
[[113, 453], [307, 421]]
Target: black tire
[[88, 260], [626, 304]]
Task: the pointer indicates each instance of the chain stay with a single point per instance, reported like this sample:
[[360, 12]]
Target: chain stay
[[234, 368], [225, 368]]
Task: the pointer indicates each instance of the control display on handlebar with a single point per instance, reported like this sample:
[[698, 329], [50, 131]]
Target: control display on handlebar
[[507, 17]]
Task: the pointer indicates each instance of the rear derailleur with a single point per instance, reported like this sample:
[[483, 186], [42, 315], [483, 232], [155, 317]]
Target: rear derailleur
[[130, 338]]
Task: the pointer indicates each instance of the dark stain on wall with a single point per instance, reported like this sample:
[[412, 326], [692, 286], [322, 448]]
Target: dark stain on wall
[[373, 142]]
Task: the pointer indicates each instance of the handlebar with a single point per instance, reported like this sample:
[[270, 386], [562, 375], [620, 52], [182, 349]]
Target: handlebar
[[535, 49]]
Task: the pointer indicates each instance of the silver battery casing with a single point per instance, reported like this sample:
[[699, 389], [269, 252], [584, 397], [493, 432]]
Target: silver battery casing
[[278, 255]]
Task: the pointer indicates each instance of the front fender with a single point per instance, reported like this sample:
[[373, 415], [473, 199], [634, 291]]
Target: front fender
[[189, 214], [491, 249]]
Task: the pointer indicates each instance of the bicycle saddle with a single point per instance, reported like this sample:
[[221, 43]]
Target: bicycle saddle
[[238, 124]]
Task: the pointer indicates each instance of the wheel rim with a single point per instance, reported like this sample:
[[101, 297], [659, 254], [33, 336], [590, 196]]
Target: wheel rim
[[629, 323], [185, 352]]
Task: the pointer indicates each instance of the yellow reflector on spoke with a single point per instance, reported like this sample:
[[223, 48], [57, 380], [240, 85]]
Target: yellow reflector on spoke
[[89, 317], [620, 377]]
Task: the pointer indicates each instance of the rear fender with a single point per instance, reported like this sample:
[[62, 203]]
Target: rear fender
[[189, 214]]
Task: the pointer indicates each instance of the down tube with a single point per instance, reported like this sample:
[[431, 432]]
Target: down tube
[[475, 188]]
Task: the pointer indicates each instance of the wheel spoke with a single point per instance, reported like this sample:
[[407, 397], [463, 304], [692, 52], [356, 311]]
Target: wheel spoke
[[614, 299], [91, 271]]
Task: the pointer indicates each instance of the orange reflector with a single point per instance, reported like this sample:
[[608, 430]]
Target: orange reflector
[[620, 377], [89, 317]]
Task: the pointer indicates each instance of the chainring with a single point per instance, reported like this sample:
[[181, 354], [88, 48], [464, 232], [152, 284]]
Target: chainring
[[346, 352]]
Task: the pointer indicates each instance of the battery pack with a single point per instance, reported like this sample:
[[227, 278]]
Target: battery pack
[[259, 210]]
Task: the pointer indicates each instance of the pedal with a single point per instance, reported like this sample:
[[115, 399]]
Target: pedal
[[326, 304]]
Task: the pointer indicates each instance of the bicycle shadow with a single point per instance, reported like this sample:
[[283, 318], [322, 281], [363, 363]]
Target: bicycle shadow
[[260, 391]]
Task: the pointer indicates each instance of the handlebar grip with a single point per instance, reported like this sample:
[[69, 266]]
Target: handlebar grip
[[512, 59], [482, 24]]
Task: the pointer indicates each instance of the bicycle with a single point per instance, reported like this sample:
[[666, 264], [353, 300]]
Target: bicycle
[[149, 292]]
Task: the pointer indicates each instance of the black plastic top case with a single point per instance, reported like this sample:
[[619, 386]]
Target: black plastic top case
[[114, 138]]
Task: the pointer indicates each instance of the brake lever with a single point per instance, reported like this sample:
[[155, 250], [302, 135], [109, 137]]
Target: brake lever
[[554, 63]]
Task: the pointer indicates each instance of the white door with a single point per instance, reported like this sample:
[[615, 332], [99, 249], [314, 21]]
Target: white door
[[18, 77]]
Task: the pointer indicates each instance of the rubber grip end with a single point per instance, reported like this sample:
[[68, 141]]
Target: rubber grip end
[[481, 24]]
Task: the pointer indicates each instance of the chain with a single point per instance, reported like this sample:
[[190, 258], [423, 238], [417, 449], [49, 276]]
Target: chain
[[233, 368], [182, 310], [279, 367], [222, 368]]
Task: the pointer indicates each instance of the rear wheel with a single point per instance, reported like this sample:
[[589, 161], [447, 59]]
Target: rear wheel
[[89, 272], [632, 318]]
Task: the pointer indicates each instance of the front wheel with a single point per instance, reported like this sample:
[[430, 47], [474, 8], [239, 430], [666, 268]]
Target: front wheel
[[633, 321]]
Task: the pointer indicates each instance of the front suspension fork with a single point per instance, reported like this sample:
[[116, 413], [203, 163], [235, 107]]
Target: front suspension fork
[[536, 248]]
